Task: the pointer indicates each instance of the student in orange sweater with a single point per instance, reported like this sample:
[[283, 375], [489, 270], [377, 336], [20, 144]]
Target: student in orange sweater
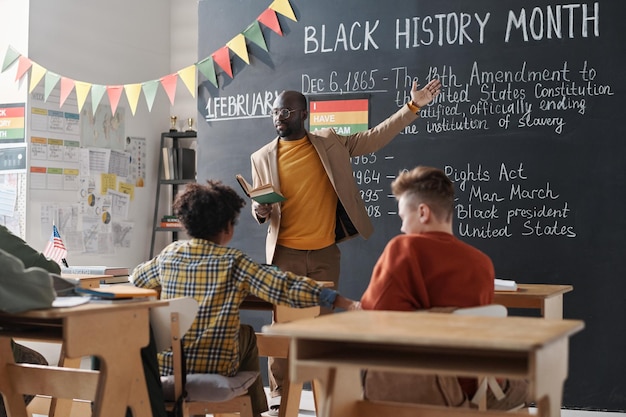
[[429, 268]]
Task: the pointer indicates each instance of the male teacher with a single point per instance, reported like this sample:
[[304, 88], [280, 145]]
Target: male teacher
[[323, 205]]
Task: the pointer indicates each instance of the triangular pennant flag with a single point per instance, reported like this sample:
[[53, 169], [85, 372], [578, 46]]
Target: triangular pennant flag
[[50, 82], [114, 92], [36, 74], [149, 92], [82, 90], [97, 92], [269, 19], [169, 85], [132, 95], [238, 45], [222, 58], [67, 85], [254, 33], [188, 75], [208, 70], [23, 66], [9, 58], [283, 7]]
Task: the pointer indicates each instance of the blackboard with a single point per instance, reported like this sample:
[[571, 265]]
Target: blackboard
[[529, 127]]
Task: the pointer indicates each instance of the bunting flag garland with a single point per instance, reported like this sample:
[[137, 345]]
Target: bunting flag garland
[[82, 90], [114, 92], [11, 56], [222, 59], [269, 19], [97, 92], [283, 7], [24, 65], [169, 85], [51, 80], [149, 92], [238, 46], [208, 70], [67, 85], [254, 34], [188, 75], [132, 95], [36, 75]]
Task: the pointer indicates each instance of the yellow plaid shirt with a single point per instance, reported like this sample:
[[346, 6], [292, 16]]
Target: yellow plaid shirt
[[219, 278]]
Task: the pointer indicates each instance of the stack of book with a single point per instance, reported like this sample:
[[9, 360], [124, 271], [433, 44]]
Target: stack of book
[[170, 221], [117, 274], [179, 163]]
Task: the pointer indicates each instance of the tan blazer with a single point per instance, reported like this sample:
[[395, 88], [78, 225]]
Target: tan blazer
[[335, 152]]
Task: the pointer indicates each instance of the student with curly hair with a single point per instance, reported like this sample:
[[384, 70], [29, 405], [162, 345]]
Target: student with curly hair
[[220, 278]]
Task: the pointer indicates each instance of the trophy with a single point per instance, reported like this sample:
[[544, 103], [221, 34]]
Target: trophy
[[173, 127], [190, 125]]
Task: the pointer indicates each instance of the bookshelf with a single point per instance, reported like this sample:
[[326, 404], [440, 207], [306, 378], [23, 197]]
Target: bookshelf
[[177, 167]]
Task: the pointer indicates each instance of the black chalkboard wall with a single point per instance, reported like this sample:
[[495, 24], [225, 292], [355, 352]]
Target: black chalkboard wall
[[530, 127]]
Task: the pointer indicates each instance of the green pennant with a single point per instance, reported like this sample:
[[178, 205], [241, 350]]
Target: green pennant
[[207, 69], [149, 91], [50, 81], [97, 92], [253, 32], [9, 58]]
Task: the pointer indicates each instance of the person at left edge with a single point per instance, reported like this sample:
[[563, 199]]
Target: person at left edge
[[30, 257]]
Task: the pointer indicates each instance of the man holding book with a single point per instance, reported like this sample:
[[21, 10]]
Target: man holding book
[[323, 206]]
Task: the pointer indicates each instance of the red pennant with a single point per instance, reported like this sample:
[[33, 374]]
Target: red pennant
[[23, 67], [222, 58], [114, 92], [67, 85], [269, 19], [169, 85]]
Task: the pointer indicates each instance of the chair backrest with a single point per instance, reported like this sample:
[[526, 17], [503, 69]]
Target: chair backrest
[[160, 320], [489, 310], [490, 382]]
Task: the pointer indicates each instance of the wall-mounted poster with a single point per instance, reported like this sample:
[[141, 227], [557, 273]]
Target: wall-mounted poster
[[11, 123]]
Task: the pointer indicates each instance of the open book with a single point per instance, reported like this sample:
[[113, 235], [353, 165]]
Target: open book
[[505, 285], [265, 194]]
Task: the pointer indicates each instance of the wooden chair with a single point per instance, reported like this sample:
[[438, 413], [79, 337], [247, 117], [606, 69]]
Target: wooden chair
[[485, 383], [201, 394]]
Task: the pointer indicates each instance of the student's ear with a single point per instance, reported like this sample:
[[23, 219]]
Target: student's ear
[[424, 213], [305, 114]]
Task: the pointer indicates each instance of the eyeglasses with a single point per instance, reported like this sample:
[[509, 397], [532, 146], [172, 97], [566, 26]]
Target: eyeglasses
[[282, 113]]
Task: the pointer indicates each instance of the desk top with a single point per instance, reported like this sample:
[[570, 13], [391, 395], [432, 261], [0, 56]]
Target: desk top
[[539, 291], [430, 329], [89, 308]]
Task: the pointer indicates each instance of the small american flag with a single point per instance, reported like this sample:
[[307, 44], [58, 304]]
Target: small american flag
[[55, 249]]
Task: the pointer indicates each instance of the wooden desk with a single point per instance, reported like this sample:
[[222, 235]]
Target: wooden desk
[[335, 348], [114, 332], [545, 297]]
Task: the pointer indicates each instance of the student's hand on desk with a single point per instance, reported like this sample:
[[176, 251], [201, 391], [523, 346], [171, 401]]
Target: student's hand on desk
[[346, 303], [262, 211]]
